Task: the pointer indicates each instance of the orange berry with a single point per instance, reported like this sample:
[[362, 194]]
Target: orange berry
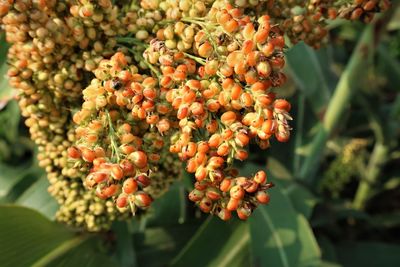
[[116, 172], [282, 104], [205, 205], [183, 112], [200, 158], [213, 105], [211, 67], [241, 154], [243, 213], [237, 192], [224, 214], [212, 126], [261, 36], [88, 155], [130, 186], [110, 190], [205, 50], [122, 201], [143, 180], [233, 204], [278, 41], [226, 70], [242, 139], [127, 167], [264, 69], [197, 109], [201, 173], [282, 136], [223, 150], [215, 140], [142, 200], [268, 49], [246, 99], [248, 31], [163, 125], [228, 118], [223, 18], [139, 158], [191, 166], [213, 193], [100, 177], [125, 76], [248, 46], [196, 195], [251, 76], [262, 197], [225, 185], [240, 68], [74, 153], [215, 162], [231, 25], [202, 147]]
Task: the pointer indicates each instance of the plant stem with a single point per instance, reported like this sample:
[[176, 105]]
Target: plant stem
[[343, 93], [378, 158], [60, 251], [338, 104], [114, 145]]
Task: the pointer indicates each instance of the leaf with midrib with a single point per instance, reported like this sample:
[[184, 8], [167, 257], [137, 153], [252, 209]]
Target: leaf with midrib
[[206, 244], [37, 197], [306, 70], [27, 238], [282, 237]]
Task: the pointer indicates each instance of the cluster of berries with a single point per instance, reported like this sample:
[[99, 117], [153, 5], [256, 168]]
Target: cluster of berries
[[306, 20], [116, 95]]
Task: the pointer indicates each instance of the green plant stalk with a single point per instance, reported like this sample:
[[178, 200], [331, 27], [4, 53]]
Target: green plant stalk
[[343, 92], [378, 158], [61, 250], [338, 104]]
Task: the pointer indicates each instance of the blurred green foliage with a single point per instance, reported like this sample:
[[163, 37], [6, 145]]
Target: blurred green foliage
[[344, 212]]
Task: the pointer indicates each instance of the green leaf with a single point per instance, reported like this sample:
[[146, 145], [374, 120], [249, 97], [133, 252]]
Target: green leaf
[[30, 239], [301, 198], [388, 220], [37, 197], [27, 236], [125, 251], [368, 254], [86, 254], [282, 237], [9, 121], [169, 209], [306, 70], [206, 245], [157, 246], [6, 91], [236, 251], [11, 176], [327, 248], [277, 169]]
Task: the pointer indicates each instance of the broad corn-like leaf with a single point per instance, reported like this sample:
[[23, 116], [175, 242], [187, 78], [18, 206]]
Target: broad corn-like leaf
[[282, 237]]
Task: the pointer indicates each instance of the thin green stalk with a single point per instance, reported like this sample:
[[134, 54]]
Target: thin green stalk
[[61, 250], [112, 135], [378, 158], [343, 93], [299, 131], [338, 104]]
